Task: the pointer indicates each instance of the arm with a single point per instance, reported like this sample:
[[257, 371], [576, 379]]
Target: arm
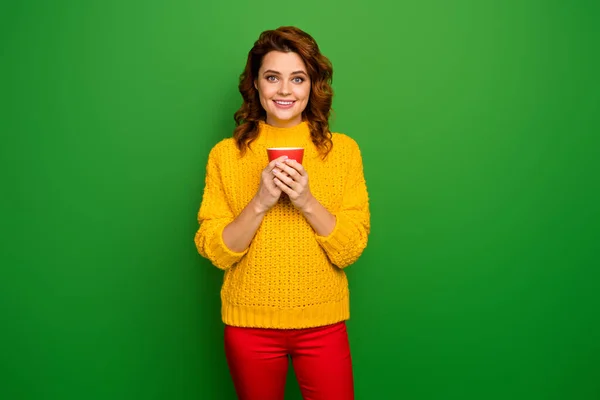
[[342, 234], [292, 178], [321, 220], [223, 238], [214, 215], [240, 232], [348, 238]]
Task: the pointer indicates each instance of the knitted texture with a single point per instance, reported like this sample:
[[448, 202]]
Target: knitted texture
[[289, 277]]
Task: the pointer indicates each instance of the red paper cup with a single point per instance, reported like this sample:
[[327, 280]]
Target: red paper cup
[[293, 153]]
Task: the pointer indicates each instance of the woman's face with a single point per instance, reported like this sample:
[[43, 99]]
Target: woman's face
[[284, 88]]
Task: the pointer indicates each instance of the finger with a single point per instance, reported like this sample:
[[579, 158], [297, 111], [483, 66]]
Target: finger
[[277, 171], [296, 165], [283, 177], [276, 162], [284, 188], [275, 192], [294, 174]]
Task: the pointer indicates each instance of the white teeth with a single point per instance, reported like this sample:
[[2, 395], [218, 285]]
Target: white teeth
[[285, 103]]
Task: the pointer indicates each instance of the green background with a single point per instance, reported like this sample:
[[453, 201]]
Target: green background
[[478, 123]]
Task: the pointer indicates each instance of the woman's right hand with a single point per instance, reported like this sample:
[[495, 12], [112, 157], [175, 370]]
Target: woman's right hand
[[268, 193]]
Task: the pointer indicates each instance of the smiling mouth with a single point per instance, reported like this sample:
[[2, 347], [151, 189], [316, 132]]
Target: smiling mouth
[[284, 103]]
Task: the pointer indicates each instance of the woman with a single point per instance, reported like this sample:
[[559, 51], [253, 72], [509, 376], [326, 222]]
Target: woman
[[284, 240]]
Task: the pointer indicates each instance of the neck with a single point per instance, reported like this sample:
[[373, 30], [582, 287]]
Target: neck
[[290, 123], [293, 136]]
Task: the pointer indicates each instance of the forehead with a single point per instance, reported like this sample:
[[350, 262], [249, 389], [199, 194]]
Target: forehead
[[282, 62]]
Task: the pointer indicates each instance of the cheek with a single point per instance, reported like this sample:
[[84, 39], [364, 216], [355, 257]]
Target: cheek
[[265, 92], [265, 97], [303, 93]]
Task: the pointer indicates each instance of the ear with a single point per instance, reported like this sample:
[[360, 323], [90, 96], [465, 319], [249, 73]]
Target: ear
[[255, 85]]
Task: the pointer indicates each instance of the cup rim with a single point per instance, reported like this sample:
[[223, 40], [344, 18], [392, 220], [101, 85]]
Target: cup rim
[[285, 148]]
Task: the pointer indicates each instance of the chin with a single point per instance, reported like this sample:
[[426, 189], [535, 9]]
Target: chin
[[286, 118]]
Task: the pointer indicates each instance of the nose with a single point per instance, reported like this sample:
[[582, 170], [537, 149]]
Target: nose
[[284, 88]]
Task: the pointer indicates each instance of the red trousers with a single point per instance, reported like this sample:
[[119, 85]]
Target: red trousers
[[258, 362]]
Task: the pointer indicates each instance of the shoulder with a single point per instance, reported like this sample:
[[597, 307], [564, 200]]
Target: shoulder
[[225, 148], [344, 143]]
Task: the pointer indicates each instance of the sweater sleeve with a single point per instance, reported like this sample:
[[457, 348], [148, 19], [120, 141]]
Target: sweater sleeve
[[214, 215], [347, 241]]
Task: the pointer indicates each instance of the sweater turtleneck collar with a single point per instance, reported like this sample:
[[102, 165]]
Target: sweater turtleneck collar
[[295, 136]]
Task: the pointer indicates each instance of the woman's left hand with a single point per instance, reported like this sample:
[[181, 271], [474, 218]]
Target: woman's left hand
[[292, 179]]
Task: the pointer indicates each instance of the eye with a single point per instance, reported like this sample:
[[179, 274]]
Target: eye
[[298, 80], [272, 78]]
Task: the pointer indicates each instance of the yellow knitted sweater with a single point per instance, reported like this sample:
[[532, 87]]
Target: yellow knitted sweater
[[289, 277]]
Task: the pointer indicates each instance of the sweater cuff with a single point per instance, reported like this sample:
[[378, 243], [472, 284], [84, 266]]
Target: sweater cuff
[[336, 243], [222, 255]]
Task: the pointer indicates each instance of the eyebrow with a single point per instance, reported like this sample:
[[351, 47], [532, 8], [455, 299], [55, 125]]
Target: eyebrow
[[279, 73]]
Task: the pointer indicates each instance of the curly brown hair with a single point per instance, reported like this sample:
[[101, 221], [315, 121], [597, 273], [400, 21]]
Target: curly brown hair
[[320, 71]]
